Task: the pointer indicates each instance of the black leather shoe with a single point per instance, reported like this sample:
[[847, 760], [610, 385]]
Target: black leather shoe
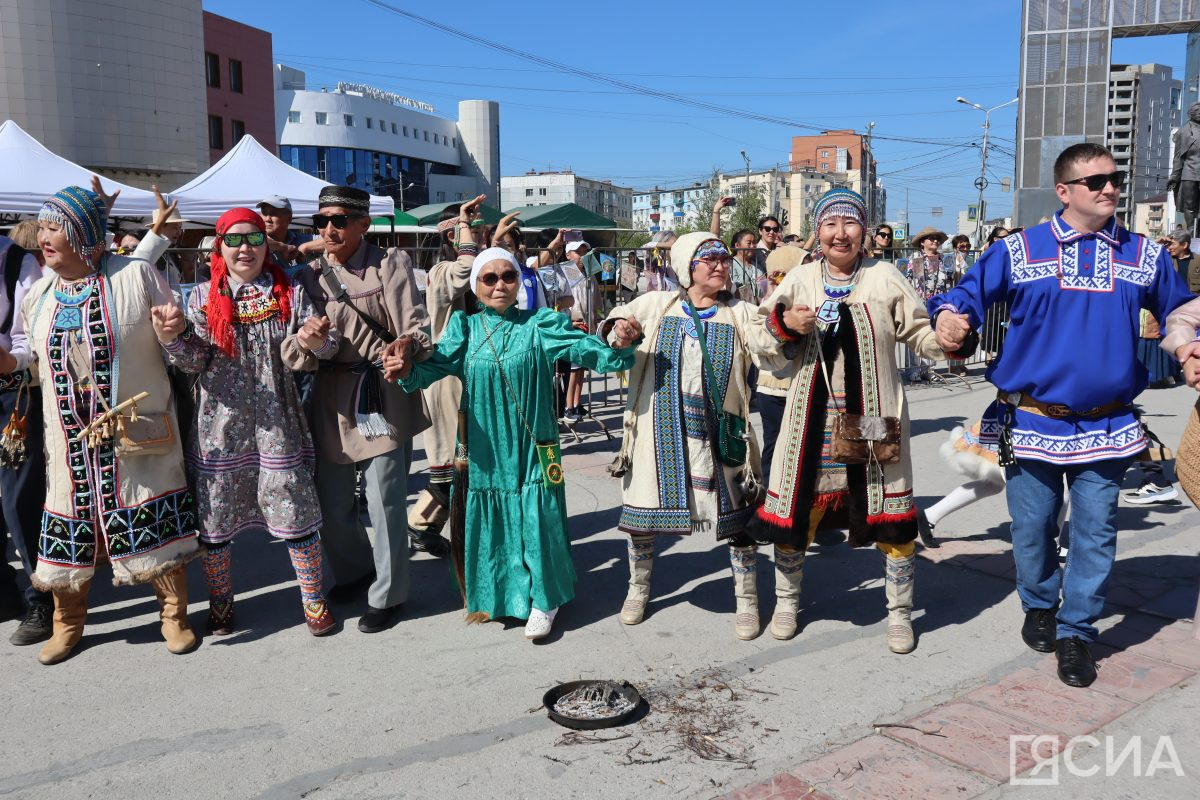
[[1076, 667], [348, 591], [377, 620], [36, 627], [925, 530], [1038, 630], [428, 542]]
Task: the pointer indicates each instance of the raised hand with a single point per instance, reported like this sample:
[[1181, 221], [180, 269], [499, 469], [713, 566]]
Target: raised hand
[[168, 321], [313, 333], [625, 333], [801, 319], [951, 330], [468, 209], [503, 227], [109, 199]]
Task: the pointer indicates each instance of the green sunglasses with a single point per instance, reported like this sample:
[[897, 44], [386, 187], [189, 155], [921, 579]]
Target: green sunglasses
[[254, 239]]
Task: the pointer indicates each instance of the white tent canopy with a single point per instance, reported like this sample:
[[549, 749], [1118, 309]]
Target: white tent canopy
[[248, 173], [30, 173]]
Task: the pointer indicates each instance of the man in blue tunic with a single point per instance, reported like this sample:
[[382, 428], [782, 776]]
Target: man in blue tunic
[[1067, 377]]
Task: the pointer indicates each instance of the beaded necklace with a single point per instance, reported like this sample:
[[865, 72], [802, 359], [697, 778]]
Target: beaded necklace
[[837, 289]]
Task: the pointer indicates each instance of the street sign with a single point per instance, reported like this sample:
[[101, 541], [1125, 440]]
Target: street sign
[[899, 233], [981, 183]]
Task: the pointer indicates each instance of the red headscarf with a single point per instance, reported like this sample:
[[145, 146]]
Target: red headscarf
[[219, 308]]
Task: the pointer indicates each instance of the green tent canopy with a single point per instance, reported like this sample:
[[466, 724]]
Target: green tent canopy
[[402, 220], [562, 215], [431, 214]]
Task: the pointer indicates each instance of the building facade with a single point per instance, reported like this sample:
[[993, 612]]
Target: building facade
[[774, 185], [1143, 103], [847, 152], [117, 87], [239, 82], [387, 144], [1065, 54], [1152, 217], [548, 188], [658, 209]]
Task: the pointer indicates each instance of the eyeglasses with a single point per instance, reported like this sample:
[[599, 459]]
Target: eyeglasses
[[884, 234], [713, 262], [769, 229], [339, 221], [964, 246], [1096, 183], [491, 278], [254, 239]]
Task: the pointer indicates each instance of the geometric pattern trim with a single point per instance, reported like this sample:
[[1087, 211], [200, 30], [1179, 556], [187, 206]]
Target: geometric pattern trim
[[127, 531]]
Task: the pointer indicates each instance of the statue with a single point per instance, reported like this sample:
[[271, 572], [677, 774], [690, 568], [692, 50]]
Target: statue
[[1185, 169]]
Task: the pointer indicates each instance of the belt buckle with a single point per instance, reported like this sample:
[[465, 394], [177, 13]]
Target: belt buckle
[[1057, 410]]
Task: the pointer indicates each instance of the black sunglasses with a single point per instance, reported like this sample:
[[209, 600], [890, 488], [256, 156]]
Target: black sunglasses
[[888, 234], [339, 220], [491, 279], [254, 239], [769, 229], [1097, 182]]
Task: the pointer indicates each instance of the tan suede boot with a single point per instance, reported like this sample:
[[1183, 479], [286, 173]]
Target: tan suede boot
[[171, 591], [70, 610], [898, 585], [744, 562], [641, 563], [789, 568]]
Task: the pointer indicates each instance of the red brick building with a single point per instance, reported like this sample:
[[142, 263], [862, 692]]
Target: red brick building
[[829, 151], [240, 81]]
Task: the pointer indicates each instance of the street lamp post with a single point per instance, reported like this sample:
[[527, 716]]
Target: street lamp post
[[402, 188], [981, 182], [746, 158], [867, 168]]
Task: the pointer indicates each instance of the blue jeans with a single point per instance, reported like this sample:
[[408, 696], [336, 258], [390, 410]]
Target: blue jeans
[[1035, 495]]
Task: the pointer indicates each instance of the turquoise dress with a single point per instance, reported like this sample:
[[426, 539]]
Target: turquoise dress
[[517, 551]]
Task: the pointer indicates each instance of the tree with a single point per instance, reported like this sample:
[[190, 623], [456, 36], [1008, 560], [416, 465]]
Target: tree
[[750, 207]]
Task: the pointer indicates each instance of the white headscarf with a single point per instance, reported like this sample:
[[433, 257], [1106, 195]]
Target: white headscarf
[[488, 256]]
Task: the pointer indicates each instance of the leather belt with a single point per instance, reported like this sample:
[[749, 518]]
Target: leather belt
[[1057, 410]]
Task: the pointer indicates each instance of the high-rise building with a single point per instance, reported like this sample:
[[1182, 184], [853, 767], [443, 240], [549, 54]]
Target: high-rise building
[[564, 186], [1143, 102], [773, 183], [1065, 53], [385, 143]]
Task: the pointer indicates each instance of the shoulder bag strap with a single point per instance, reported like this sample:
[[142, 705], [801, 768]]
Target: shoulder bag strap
[[710, 377], [338, 291]]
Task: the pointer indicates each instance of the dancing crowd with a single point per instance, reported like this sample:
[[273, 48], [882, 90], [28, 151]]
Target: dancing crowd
[[147, 430]]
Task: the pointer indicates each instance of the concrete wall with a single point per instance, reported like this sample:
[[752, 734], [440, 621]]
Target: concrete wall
[[116, 86]]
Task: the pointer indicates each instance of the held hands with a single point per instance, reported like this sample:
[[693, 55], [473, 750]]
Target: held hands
[[625, 333], [397, 363], [314, 333], [1189, 356], [801, 319], [951, 330], [168, 321]]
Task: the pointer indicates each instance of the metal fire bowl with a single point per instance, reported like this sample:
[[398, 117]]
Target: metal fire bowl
[[623, 688]]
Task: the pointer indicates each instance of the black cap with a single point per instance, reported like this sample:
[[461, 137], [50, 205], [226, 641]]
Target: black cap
[[345, 197]]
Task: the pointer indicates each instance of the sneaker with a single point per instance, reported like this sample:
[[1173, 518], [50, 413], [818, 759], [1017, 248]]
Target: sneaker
[[1151, 492], [538, 626], [36, 627], [428, 542], [583, 411], [570, 417]]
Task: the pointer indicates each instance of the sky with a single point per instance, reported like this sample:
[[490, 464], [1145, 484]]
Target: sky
[[732, 64]]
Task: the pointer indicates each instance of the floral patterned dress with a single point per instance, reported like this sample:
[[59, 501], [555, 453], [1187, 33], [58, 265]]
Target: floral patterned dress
[[249, 451]]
